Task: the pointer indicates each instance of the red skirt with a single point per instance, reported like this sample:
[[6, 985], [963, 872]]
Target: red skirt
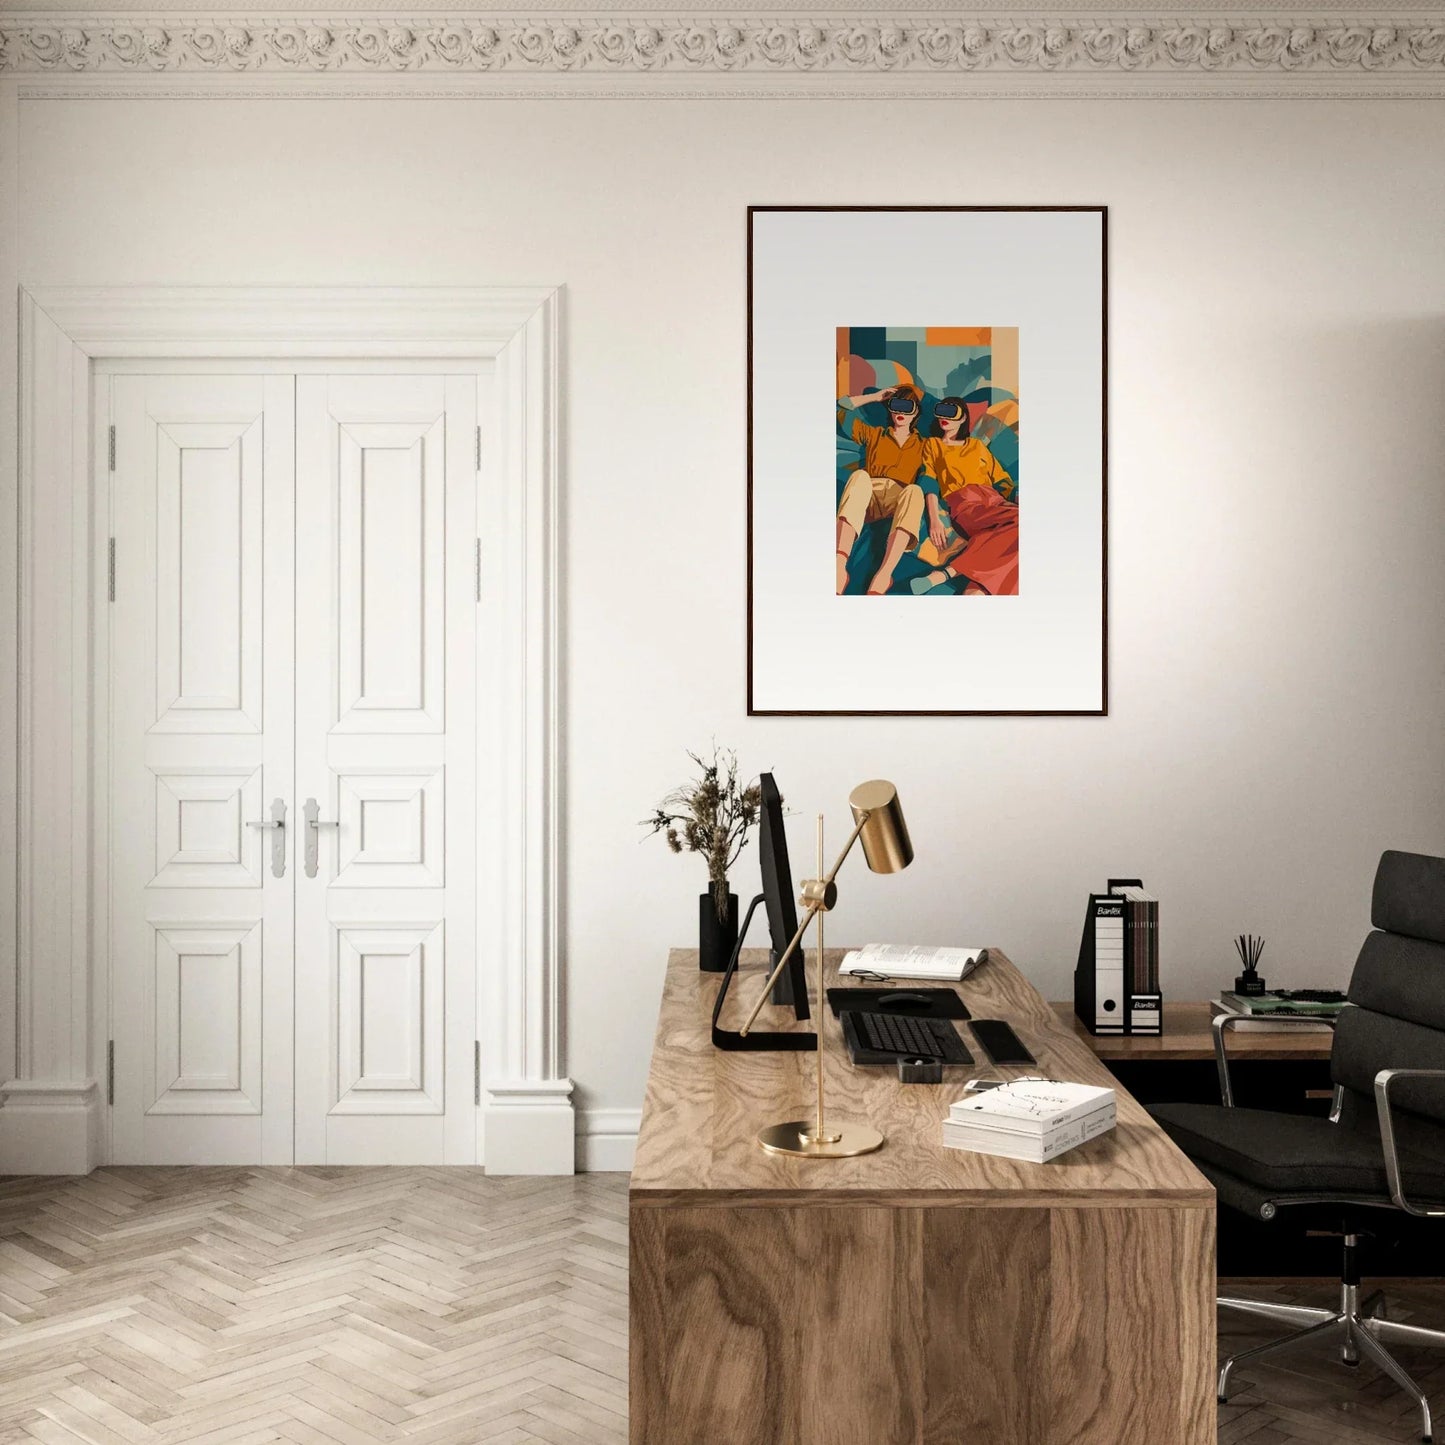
[[991, 557]]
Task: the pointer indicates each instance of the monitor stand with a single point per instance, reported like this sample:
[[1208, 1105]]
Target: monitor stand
[[784, 990], [758, 1040]]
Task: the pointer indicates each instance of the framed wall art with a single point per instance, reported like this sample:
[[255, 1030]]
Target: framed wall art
[[927, 470]]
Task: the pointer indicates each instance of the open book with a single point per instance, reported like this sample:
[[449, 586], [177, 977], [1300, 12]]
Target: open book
[[902, 960]]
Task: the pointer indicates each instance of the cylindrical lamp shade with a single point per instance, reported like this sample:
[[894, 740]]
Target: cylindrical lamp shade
[[885, 840]]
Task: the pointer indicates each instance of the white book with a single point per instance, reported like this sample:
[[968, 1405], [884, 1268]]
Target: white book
[[1032, 1106], [1034, 1148], [903, 960]]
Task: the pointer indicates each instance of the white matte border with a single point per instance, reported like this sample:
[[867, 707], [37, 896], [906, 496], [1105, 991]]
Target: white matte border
[[1041, 269]]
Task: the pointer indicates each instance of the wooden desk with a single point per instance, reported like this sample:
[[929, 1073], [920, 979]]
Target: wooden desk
[[919, 1294], [1188, 1036]]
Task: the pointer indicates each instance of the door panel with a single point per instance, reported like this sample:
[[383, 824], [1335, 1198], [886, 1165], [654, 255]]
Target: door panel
[[201, 718], [385, 735], [390, 486]]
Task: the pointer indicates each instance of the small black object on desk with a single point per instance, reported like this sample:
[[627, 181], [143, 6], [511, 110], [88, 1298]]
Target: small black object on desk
[[920, 1071], [1000, 1042], [1249, 984]]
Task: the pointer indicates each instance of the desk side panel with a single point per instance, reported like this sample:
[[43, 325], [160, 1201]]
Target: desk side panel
[[986, 1310], [1132, 1343], [941, 1326]]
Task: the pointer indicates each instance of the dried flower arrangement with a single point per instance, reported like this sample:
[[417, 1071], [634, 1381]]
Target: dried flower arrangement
[[711, 815]]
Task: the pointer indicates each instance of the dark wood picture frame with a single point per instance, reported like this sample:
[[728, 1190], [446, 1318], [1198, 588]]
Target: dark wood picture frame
[[1103, 709]]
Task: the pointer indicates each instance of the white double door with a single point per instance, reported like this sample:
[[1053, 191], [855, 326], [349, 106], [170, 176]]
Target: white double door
[[291, 862]]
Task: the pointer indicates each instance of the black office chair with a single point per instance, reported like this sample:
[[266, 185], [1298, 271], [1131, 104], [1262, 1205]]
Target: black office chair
[[1382, 1150]]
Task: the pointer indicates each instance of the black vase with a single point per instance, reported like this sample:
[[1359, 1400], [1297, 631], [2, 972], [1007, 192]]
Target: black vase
[[716, 937]]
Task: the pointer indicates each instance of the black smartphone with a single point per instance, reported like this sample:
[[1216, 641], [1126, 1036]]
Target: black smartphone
[[1000, 1042]]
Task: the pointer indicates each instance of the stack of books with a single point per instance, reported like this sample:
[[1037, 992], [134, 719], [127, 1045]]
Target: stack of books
[[1260, 1010], [1032, 1119]]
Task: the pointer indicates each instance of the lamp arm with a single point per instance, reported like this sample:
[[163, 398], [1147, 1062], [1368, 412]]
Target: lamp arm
[[813, 910]]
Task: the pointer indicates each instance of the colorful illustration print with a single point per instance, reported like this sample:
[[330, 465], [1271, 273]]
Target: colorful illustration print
[[928, 461]]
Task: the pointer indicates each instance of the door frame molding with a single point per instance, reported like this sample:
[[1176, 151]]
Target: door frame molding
[[53, 1107]]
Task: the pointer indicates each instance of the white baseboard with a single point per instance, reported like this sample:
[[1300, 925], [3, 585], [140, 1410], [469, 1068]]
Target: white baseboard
[[529, 1128], [607, 1140], [49, 1128]]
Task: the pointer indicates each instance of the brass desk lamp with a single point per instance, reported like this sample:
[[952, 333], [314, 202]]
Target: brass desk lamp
[[878, 824]]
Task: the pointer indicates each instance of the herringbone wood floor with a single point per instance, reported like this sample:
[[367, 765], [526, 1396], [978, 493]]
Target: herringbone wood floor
[[347, 1306], [321, 1306]]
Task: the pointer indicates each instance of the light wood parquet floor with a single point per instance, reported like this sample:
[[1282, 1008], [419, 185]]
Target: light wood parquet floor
[[437, 1306]]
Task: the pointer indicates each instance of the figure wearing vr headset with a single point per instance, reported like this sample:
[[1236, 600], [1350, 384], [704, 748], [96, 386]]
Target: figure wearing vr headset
[[886, 485], [974, 488]]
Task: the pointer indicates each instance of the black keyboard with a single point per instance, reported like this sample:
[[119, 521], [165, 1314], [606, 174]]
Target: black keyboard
[[901, 1037]]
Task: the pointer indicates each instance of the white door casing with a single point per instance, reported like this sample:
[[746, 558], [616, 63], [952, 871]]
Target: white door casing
[[53, 1117], [386, 736]]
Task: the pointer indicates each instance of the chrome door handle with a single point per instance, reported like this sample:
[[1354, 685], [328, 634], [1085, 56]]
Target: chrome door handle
[[277, 821], [314, 824]]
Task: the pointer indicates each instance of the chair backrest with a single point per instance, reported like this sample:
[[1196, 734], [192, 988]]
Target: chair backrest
[[1398, 993]]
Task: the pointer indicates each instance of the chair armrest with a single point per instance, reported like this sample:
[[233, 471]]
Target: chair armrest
[[1383, 1080], [1221, 1025]]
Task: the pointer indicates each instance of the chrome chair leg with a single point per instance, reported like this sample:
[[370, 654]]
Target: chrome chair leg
[[1282, 1314], [1349, 1312], [1403, 1334], [1324, 1327], [1378, 1355]]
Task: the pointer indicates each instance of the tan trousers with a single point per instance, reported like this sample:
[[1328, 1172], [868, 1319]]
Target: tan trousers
[[867, 499]]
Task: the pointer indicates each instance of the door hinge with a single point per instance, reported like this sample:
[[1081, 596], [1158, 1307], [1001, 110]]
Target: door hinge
[[478, 568], [111, 448], [110, 1072], [110, 570], [479, 448], [477, 1071]]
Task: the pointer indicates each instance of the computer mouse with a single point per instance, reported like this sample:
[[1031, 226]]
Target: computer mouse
[[903, 1000]]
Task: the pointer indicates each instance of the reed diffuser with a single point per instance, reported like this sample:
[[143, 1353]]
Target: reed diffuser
[[1249, 948]]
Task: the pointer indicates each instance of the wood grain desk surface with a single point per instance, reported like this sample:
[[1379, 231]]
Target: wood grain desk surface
[[704, 1107], [1187, 1036]]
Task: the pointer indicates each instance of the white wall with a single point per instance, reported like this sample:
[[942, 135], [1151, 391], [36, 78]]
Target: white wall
[[1276, 503]]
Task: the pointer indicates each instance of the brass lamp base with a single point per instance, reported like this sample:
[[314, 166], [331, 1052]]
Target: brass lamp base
[[843, 1140]]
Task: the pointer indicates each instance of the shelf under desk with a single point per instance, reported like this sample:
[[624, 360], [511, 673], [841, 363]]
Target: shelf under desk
[[919, 1293], [1187, 1037]]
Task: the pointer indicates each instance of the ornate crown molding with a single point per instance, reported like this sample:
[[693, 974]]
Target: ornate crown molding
[[885, 44]]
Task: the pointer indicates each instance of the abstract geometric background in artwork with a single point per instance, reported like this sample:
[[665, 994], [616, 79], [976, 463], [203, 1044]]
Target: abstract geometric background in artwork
[[978, 363]]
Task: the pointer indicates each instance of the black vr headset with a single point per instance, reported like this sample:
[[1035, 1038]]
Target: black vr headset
[[949, 409], [903, 405]]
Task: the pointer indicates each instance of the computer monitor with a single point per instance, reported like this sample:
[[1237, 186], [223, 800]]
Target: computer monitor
[[791, 989]]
